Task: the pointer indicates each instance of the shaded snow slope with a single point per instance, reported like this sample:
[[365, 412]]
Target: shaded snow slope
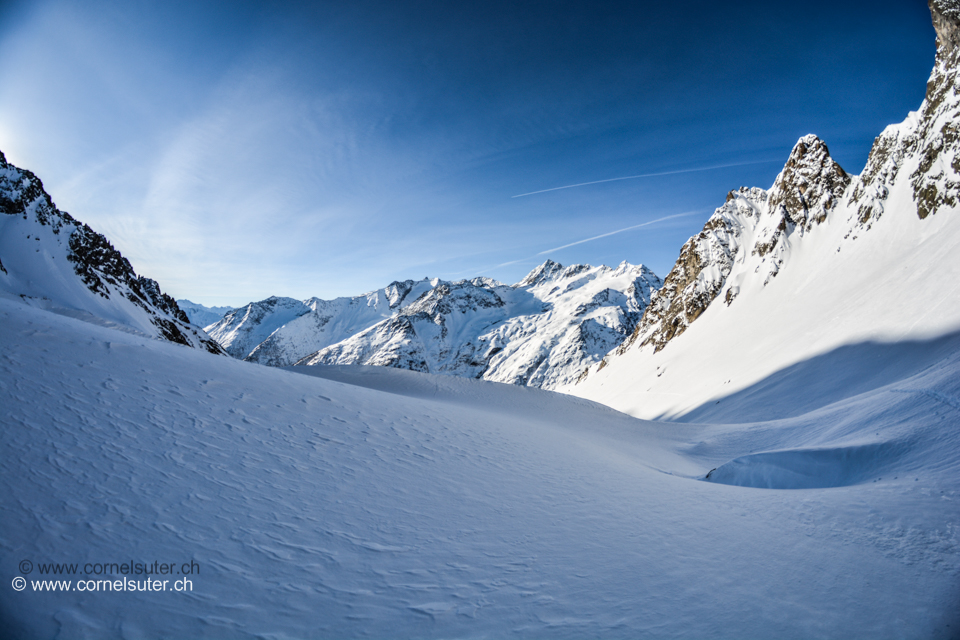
[[820, 261], [52, 261], [439, 507], [541, 332]]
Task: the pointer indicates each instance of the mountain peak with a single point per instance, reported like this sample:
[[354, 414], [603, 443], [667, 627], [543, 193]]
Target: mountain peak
[[544, 272], [810, 184]]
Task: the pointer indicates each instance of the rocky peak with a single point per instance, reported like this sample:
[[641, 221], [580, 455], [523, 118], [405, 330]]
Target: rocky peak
[[810, 185], [397, 291], [547, 271], [94, 260]]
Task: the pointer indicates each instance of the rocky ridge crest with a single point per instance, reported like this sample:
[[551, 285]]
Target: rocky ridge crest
[[755, 228]]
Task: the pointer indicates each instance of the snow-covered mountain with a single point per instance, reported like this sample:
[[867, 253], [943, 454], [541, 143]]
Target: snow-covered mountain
[[280, 331], [200, 315], [50, 260], [819, 262], [809, 338], [540, 332]]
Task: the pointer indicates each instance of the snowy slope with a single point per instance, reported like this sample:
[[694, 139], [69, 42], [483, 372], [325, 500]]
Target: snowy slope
[[540, 332], [822, 261], [410, 505], [52, 261], [200, 315]]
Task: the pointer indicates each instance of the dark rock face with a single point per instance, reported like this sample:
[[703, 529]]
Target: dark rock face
[[810, 185], [810, 188], [699, 273], [933, 139], [22, 192], [946, 22], [98, 264]]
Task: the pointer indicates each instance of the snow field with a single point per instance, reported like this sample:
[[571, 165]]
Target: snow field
[[409, 505]]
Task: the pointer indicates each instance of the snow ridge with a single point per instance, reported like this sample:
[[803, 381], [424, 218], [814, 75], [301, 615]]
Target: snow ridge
[[279, 331]]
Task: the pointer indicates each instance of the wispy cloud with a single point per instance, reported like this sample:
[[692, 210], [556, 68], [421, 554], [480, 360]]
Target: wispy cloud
[[647, 175]]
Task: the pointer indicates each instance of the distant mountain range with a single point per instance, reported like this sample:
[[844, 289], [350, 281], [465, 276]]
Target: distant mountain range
[[820, 260], [542, 331], [200, 315]]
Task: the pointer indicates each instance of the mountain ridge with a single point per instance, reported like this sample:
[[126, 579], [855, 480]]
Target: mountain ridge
[[809, 258], [538, 332], [91, 279]]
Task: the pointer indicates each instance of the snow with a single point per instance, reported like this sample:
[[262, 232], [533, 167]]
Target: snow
[[280, 331], [807, 486], [372, 502], [891, 287], [540, 332]]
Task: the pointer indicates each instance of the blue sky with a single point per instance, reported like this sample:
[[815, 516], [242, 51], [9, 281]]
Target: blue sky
[[234, 151]]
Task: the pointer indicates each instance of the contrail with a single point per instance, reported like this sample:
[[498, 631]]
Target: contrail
[[603, 235], [647, 175], [636, 226]]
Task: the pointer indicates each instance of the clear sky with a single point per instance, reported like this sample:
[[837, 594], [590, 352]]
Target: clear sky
[[234, 151]]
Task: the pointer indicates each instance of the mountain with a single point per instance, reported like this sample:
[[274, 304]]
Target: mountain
[[822, 262], [200, 315], [280, 331], [50, 260], [540, 332]]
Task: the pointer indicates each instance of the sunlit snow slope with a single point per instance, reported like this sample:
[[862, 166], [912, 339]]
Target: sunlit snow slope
[[783, 284], [410, 505]]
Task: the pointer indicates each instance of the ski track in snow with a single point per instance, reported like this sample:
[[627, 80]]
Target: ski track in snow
[[408, 505]]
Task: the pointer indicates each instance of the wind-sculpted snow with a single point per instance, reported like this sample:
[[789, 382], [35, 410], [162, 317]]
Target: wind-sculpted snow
[[819, 261], [53, 261], [402, 505], [541, 332]]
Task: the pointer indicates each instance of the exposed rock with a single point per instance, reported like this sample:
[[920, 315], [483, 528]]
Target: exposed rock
[[803, 195], [928, 141], [810, 185]]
